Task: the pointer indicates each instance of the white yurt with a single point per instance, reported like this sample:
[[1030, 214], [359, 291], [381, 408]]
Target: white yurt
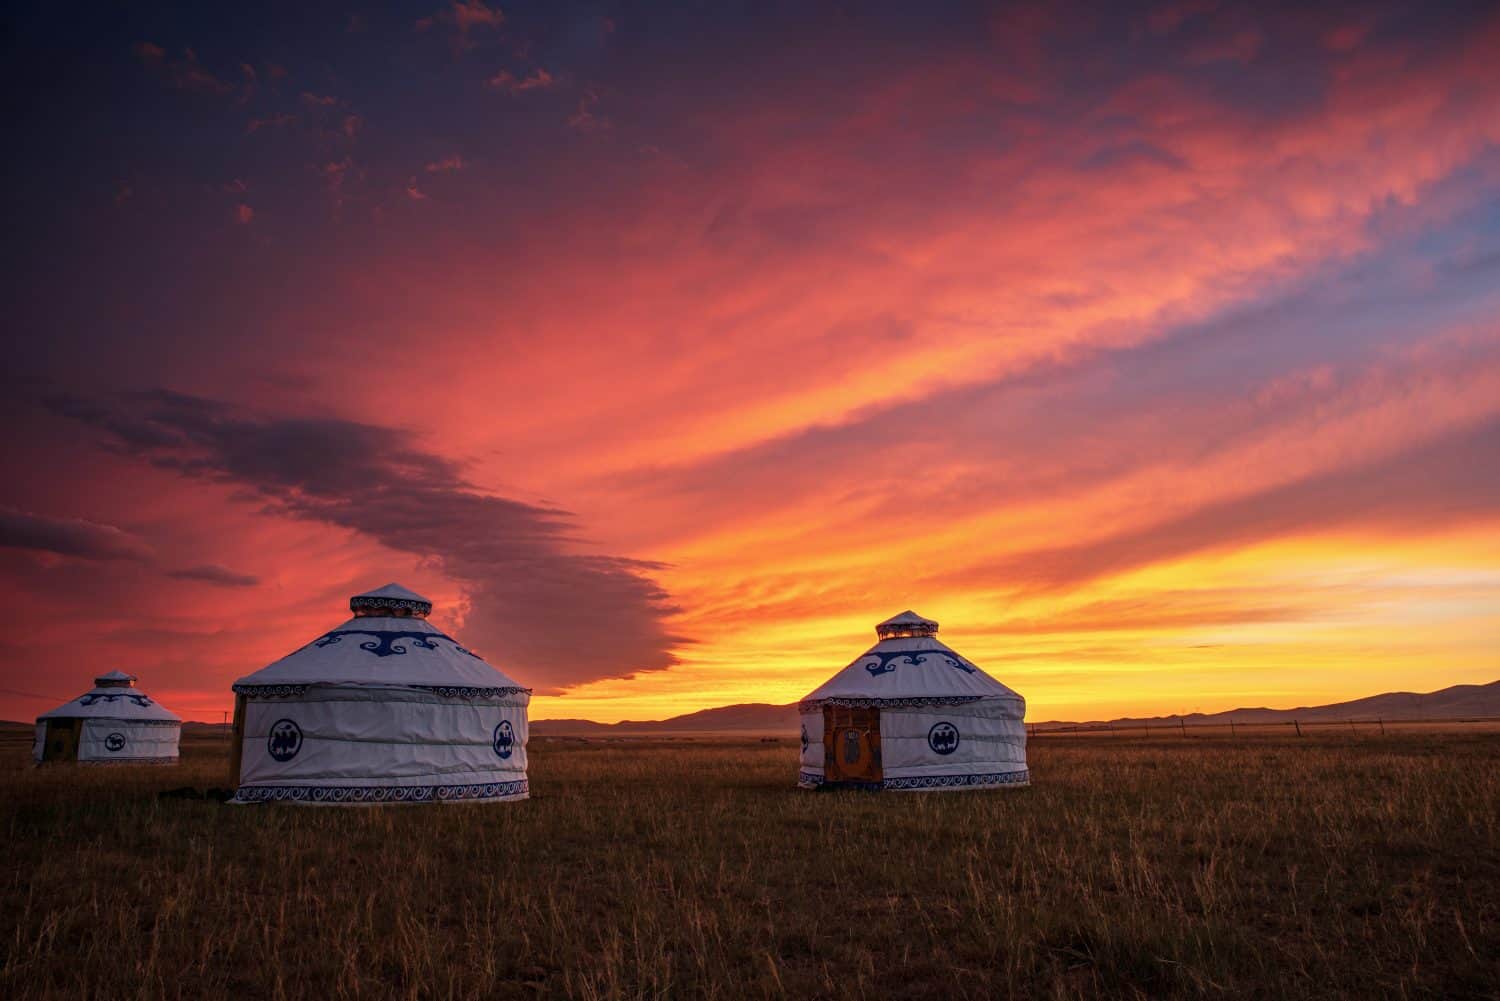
[[382, 709], [912, 714], [113, 723]]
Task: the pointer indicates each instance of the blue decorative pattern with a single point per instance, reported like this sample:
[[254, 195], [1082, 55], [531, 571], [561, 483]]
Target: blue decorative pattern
[[375, 603], [472, 693], [163, 760], [811, 779], [912, 703], [887, 662], [504, 740], [115, 742], [381, 794], [943, 738], [116, 719], [284, 740], [87, 700], [270, 691], [386, 642], [1023, 777], [446, 691]]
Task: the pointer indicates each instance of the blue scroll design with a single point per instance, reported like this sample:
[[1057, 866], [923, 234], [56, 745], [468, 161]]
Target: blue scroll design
[[915, 702], [887, 661], [391, 642], [382, 794], [141, 700]]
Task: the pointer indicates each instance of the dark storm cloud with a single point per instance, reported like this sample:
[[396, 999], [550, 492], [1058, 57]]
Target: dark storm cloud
[[73, 537], [558, 616], [214, 574]]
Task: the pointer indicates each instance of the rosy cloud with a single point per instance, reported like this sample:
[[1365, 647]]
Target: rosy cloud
[[537, 79]]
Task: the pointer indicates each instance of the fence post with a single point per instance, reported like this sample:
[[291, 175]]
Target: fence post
[[1182, 722], [1231, 728], [1382, 726], [1298, 726]]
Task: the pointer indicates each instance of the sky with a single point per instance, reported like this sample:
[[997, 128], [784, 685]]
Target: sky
[[1154, 350]]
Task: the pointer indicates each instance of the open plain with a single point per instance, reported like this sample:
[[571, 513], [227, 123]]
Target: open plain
[[1333, 866]]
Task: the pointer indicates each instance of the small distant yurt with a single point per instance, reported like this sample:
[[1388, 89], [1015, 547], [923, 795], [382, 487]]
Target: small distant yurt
[[912, 714], [382, 709], [113, 723]]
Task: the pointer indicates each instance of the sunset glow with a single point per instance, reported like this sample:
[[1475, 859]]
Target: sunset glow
[[1154, 353]]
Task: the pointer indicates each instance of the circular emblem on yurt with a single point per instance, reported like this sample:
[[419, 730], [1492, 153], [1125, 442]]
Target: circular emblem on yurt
[[943, 738], [115, 742], [804, 736], [285, 740], [505, 739]]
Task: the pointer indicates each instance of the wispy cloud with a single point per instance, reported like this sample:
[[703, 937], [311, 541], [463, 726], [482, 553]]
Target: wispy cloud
[[73, 537], [216, 575]]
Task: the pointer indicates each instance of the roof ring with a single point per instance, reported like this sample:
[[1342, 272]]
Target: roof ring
[[391, 601], [907, 624]]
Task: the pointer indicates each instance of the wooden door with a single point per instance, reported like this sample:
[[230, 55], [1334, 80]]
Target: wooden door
[[62, 740], [851, 744]]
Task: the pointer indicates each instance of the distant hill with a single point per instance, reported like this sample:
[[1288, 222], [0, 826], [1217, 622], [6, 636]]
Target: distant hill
[[1456, 702], [754, 717]]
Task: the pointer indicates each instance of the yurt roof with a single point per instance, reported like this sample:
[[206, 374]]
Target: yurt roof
[[114, 697], [909, 663], [388, 642]]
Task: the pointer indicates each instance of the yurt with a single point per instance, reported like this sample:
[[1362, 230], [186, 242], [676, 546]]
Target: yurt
[[912, 714], [382, 709], [113, 723]]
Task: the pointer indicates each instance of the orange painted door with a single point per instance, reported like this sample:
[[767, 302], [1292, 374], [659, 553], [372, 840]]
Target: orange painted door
[[851, 744]]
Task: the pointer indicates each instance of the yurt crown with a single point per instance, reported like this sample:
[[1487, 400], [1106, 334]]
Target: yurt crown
[[115, 679], [904, 625], [392, 601]]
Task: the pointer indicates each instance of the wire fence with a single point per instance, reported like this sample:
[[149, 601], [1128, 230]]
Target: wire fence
[[1236, 728]]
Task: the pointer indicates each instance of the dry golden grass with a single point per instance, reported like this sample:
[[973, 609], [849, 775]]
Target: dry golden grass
[[1354, 867]]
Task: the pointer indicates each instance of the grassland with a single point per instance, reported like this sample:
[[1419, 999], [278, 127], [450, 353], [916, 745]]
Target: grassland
[[1342, 866]]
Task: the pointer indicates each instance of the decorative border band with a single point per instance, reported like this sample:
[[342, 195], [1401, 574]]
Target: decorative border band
[[166, 760], [112, 719], [473, 693], [932, 700], [376, 603], [1020, 778], [270, 691], [446, 691], [812, 780], [380, 794]]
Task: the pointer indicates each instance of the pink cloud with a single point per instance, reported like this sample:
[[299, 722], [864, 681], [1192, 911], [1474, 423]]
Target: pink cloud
[[537, 79], [185, 73], [270, 121]]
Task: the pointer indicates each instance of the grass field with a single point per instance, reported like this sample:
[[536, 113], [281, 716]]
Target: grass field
[[1339, 866]]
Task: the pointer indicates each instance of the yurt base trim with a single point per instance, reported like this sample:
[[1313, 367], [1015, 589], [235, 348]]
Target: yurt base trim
[[924, 783], [111, 761], [331, 795]]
